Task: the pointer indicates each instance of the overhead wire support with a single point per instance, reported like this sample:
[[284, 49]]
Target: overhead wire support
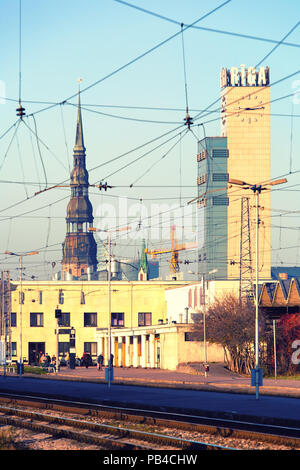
[[20, 110], [188, 120]]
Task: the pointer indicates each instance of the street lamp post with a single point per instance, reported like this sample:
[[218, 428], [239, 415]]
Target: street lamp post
[[93, 229], [109, 309], [21, 303], [257, 188], [213, 271]]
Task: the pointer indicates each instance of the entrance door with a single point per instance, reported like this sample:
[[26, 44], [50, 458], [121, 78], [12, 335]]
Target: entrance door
[[35, 350]]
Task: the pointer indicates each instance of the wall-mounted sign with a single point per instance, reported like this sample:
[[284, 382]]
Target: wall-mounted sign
[[245, 76]]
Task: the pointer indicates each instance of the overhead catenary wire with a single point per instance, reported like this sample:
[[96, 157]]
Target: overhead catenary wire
[[125, 186], [152, 49], [213, 30], [160, 159], [21, 165], [16, 125]]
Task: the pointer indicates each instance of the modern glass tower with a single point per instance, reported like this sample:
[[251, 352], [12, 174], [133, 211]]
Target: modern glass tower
[[212, 207]]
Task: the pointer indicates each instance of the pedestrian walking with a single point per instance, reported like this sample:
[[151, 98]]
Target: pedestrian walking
[[86, 360], [111, 361], [100, 362], [48, 360]]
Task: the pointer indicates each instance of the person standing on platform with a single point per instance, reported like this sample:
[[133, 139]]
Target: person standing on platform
[[100, 362], [111, 361]]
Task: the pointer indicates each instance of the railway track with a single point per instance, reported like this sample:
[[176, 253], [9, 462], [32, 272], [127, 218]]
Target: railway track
[[111, 427]]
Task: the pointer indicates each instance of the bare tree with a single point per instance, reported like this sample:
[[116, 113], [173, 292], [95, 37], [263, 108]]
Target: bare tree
[[230, 322]]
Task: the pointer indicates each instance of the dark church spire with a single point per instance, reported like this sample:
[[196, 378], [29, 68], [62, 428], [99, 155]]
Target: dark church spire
[[79, 143], [79, 249]]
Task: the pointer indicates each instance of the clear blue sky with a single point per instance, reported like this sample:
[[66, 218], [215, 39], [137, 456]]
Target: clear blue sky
[[62, 41]]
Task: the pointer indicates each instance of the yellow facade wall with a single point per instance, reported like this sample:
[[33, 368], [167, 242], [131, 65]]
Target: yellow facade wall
[[129, 298]]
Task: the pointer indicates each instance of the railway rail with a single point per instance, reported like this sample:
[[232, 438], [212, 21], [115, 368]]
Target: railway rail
[[108, 426]]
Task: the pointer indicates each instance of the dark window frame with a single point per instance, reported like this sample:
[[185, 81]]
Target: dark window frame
[[34, 317], [142, 318], [89, 346], [65, 319], [13, 319], [90, 319], [117, 319]]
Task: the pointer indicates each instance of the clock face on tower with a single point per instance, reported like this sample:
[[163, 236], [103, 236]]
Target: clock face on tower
[[250, 109], [82, 247]]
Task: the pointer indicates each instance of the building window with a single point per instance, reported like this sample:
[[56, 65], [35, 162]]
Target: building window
[[145, 319], [13, 348], [220, 153], [61, 297], [117, 319], [220, 177], [64, 320], [37, 319], [13, 319], [201, 179], [201, 203], [201, 156], [90, 348], [191, 336], [63, 348], [220, 201], [90, 319]]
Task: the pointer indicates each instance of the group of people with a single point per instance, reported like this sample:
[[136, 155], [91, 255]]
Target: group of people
[[45, 359], [85, 361]]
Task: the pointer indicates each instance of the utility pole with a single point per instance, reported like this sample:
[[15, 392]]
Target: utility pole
[[109, 310], [21, 319], [246, 270], [5, 328], [110, 366], [256, 376]]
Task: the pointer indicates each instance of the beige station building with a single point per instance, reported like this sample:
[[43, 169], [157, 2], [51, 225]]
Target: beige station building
[[141, 334]]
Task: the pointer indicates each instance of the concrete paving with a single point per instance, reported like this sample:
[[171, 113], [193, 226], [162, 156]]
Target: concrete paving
[[218, 379], [164, 391]]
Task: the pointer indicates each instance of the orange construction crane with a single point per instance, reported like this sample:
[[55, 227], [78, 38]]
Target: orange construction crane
[[175, 248]]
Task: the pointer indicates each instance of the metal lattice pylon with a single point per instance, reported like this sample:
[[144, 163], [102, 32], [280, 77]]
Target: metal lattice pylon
[[246, 269], [5, 304]]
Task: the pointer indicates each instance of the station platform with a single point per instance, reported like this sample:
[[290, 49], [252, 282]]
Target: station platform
[[218, 379]]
